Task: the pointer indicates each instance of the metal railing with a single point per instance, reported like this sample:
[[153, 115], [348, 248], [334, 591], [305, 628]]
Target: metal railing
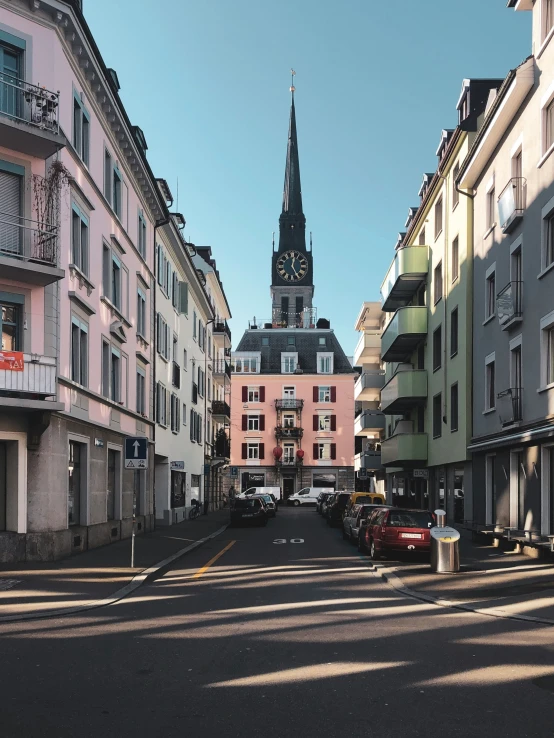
[[221, 367], [288, 403], [222, 327], [29, 240], [29, 103], [283, 431], [176, 375], [221, 408], [509, 405], [306, 318], [511, 203], [509, 303]]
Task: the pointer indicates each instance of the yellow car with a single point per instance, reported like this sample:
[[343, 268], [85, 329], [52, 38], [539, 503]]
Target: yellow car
[[365, 498]]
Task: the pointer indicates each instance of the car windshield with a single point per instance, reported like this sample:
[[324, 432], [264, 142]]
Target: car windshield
[[248, 503], [409, 519], [266, 498], [363, 498]]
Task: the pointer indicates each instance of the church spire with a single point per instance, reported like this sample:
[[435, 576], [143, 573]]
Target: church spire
[[292, 192]]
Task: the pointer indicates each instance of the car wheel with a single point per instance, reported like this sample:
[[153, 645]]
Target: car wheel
[[373, 551], [296, 503]]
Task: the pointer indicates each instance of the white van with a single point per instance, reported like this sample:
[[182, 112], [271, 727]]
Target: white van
[[307, 496], [275, 491]]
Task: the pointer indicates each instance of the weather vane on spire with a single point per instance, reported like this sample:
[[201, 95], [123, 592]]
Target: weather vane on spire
[[292, 75]]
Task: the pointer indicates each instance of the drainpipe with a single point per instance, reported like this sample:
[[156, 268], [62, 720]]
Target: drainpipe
[[206, 476]]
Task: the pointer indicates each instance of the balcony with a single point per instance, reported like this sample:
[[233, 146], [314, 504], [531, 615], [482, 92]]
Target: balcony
[[175, 375], [509, 406], [221, 369], [222, 447], [28, 250], [282, 431], [288, 403], [403, 334], [29, 388], [221, 330], [369, 420], [509, 305], [370, 460], [511, 204], [368, 348], [307, 318], [221, 409], [289, 461], [405, 450], [29, 118], [405, 276], [368, 386], [404, 391]]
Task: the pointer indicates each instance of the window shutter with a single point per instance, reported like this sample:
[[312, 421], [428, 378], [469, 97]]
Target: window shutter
[[262, 450], [316, 394], [262, 422], [245, 394], [333, 394], [316, 422], [262, 394], [244, 451], [158, 402], [192, 425], [333, 450], [183, 298], [333, 422], [316, 451], [245, 422]]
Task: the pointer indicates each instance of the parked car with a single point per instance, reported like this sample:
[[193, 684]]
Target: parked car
[[326, 504], [275, 491], [320, 500], [367, 498], [396, 530], [249, 510], [306, 496], [336, 509], [353, 518], [270, 503]]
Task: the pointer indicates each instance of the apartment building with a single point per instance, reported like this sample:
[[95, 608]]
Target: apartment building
[[369, 421]]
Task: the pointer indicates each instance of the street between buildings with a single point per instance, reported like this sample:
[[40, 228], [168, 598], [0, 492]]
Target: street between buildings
[[275, 631]]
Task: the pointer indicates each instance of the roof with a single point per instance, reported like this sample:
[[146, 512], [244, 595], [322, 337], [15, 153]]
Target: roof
[[306, 345], [292, 191]]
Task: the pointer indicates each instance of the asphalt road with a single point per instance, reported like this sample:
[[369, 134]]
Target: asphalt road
[[275, 639]]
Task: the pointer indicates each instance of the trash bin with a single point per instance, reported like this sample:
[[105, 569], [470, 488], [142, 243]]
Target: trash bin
[[445, 546]]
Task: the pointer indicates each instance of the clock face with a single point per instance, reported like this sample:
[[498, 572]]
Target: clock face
[[292, 266]]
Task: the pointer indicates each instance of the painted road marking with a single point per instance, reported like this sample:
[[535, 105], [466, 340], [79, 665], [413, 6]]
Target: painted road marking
[[205, 568], [280, 541]]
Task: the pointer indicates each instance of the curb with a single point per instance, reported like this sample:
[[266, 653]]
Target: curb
[[147, 575], [393, 580]]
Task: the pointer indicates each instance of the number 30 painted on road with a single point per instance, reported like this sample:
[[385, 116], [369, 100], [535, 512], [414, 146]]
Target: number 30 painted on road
[[284, 540]]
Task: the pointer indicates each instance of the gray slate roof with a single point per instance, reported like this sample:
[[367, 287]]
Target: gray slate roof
[[306, 345]]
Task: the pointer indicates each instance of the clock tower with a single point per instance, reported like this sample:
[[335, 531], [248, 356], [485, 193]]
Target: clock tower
[[291, 270]]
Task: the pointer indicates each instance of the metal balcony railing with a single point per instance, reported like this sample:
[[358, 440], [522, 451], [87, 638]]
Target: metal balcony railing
[[511, 203], [288, 403], [29, 240], [221, 367], [282, 431], [222, 448], [290, 461], [221, 408], [176, 375], [509, 406], [29, 103], [509, 302], [306, 318], [221, 328], [37, 378]]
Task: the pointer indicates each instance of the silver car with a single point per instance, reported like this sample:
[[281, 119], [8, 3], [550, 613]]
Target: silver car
[[352, 519]]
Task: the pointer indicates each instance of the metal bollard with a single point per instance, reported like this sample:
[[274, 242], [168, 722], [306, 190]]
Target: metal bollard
[[445, 546]]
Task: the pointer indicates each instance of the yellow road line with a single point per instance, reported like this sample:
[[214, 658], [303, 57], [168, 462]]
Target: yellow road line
[[205, 568]]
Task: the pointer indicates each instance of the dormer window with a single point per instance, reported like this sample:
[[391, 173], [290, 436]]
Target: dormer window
[[324, 362], [289, 362]]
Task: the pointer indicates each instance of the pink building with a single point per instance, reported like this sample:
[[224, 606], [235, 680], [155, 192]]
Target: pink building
[[292, 387]]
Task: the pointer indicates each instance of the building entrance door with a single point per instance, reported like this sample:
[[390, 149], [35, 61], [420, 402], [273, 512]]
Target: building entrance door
[[288, 487], [3, 487]]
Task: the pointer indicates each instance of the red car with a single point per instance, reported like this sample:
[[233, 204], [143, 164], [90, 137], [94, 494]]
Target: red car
[[396, 530]]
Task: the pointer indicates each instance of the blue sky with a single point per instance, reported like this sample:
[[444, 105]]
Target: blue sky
[[377, 80]]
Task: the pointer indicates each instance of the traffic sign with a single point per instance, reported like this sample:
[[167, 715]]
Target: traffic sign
[[234, 471], [136, 453]]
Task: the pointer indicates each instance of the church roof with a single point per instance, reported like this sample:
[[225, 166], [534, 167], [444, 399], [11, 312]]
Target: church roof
[[292, 191]]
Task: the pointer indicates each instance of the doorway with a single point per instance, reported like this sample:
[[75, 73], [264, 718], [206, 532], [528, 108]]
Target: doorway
[[3, 487], [288, 487]]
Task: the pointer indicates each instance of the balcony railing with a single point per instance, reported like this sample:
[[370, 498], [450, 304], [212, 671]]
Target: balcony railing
[[511, 203], [289, 461], [221, 368], [509, 406], [176, 375], [405, 276], [194, 393], [222, 448], [38, 377], [369, 420], [404, 332], [509, 304], [306, 318], [28, 240], [222, 329], [221, 408], [29, 103], [288, 403], [282, 431]]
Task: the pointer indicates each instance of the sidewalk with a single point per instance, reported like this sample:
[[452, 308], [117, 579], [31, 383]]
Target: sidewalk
[[490, 580], [38, 588]]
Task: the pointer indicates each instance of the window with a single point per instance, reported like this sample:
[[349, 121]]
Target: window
[[184, 413], [201, 382], [454, 332], [79, 351], [549, 125], [490, 390], [111, 372], [141, 313], [324, 451], [289, 420], [76, 477], [322, 341], [11, 187], [79, 239], [421, 239], [185, 360], [141, 235], [175, 291], [289, 393], [164, 271], [265, 340], [116, 202], [163, 336], [288, 362], [175, 353], [455, 260], [491, 204], [490, 295], [81, 130], [548, 17], [290, 341], [253, 451], [114, 276], [10, 323], [454, 407], [253, 422], [324, 423], [194, 325], [548, 249], [438, 218], [324, 394], [288, 453], [325, 363], [141, 391], [107, 176], [161, 404], [437, 415], [437, 283], [113, 184], [175, 413], [455, 193], [437, 348], [11, 68], [549, 355], [253, 394], [245, 365]]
